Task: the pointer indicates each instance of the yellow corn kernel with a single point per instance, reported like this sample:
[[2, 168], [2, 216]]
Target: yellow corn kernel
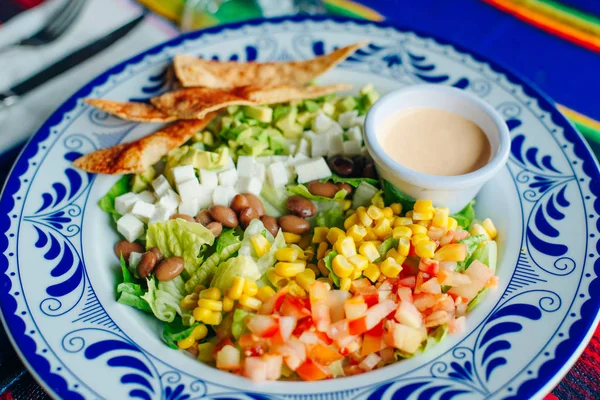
[[440, 217], [452, 224], [388, 212], [301, 255], [383, 229], [275, 279], [200, 314], [390, 268], [425, 249], [261, 244], [345, 284], [378, 201], [363, 217], [420, 237], [213, 305], [416, 229], [320, 234], [205, 352], [212, 293], [359, 262], [490, 228], [321, 250], [370, 234], [426, 224], [374, 212], [369, 250], [250, 288], [334, 234], [265, 293], [423, 206], [199, 332], [401, 231], [251, 302], [237, 288], [309, 253], [322, 268], [314, 268], [295, 289], [347, 204], [186, 343], [402, 221], [351, 221], [372, 272], [305, 278], [227, 304], [357, 273], [396, 208], [290, 269], [403, 246], [477, 229], [393, 253], [346, 247], [199, 288], [214, 318], [422, 216], [357, 232], [287, 254], [290, 237], [326, 281], [189, 302], [341, 266]]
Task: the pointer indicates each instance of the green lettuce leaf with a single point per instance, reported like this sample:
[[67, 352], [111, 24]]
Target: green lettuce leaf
[[363, 195], [330, 214], [107, 203], [465, 216], [472, 243], [164, 298], [303, 191], [328, 259], [487, 254], [129, 292], [392, 195], [401, 355], [385, 246], [175, 331], [247, 249], [242, 266], [238, 327], [350, 181], [434, 337], [177, 237], [475, 300]]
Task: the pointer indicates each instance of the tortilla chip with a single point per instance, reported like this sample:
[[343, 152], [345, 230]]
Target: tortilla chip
[[194, 72], [138, 156], [131, 111], [284, 94], [193, 103]]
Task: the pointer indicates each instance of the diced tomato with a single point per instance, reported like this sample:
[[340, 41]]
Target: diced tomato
[[451, 278], [457, 325], [371, 344], [324, 355], [311, 371], [377, 330], [373, 316], [409, 281], [370, 295], [293, 352], [220, 344], [431, 286], [358, 326], [323, 337], [479, 274], [320, 315], [302, 325], [429, 266], [412, 252], [286, 327], [263, 325], [252, 347], [444, 303], [424, 301], [293, 307], [274, 303]]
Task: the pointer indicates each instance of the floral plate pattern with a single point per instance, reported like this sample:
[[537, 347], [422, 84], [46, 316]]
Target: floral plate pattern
[[58, 271]]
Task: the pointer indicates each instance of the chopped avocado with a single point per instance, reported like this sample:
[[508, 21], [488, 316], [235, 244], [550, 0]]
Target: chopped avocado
[[199, 146], [366, 89], [288, 125], [238, 115], [311, 106], [328, 108], [277, 144], [141, 181], [348, 103], [304, 118], [225, 123], [208, 138], [253, 147], [281, 110], [187, 155], [232, 109], [370, 98], [234, 132]]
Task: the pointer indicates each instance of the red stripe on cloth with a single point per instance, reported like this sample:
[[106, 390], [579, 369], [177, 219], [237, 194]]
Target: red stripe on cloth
[[28, 3], [6, 396], [550, 397]]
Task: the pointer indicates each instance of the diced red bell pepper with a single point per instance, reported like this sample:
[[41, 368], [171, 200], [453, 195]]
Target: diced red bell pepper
[[311, 371], [324, 355], [302, 325], [294, 307], [429, 266]]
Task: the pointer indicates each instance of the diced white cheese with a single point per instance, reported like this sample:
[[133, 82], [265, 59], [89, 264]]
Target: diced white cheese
[[161, 185], [321, 122], [354, 133], [249, 185], [161, 214], [298, 158], [245, 165], [183, 173], [346, 119], [277, 174], [359, 121], [259, 172], [352, 147], [189, 207], [319, 147], [190, 189], [292, 148], [279, 158], [130, 227], [209, 179], [228, 165], [313, 169], [143, 210], [220, 196], [134, 259], [310, 135], [263, 159], [169, 201], [334, 129], [205, 199], [124, 203], [228, 177], [303, 147], [335, 145], [147, 196]]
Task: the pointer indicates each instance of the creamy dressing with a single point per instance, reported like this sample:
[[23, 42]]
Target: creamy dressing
[[434, 142]]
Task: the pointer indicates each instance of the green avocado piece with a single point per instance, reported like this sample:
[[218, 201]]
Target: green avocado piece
[[141, 181], [348, 103], [328, 108], [287, 124], [370, 98], [304, 118], [311, 106], [188, 155], [232, 109], [226, 123], [259, 113], [253, 147]]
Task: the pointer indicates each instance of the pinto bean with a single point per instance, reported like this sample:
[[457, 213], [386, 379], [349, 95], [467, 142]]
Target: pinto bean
[[146, 264], [271, 224], [126, 248], [325, 189], [203, 217], [183, 216], [169, 269], [255, 203], [224, 215], [345, 186], [300, 206], [247, 215], [239, 202], [215, 227], [294, 224]]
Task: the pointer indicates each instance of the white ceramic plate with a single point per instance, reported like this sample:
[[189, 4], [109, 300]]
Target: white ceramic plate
[[58, 270]]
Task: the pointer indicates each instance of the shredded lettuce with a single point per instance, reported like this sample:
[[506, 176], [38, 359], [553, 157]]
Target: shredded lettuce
[[465, 216], [434, 337], [129, 292], [268, 259], [303, 191], [363, 195], [475, 300], [238, 327], [107, 203], [401, 355], [355, 182], [392, 195], [385, 246], [487, 254], [328, 259], [164, 298], [175, 331], [177, 237], [330, 214], [472, 243], [242, 266]]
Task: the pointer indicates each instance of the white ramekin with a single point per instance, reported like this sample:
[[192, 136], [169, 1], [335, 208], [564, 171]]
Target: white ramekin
[[454, 192]]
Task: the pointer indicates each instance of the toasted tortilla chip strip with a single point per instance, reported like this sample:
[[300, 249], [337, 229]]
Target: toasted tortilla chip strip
[[131, 111], [194, 72], [284, 94], [138, 156]]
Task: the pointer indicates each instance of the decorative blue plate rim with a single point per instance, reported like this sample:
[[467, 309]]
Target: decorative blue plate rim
[[566, 352]]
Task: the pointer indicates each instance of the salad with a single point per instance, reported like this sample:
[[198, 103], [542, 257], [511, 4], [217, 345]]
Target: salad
[[269, 248]]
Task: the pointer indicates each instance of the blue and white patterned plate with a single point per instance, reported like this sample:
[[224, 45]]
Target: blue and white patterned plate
[[59, 271]]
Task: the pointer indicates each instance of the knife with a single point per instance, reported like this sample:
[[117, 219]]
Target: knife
[[12, 95]]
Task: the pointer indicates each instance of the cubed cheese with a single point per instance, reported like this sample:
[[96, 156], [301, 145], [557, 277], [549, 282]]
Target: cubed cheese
[[277, 174], [354, 133], [359, 121], [310, 135], [183, 173], [124, 203], [321, 122], [143, 211], [346, 119], [298, 158], [259, 172], [292, 148], [209, 179], [228, 177], [313, 169], [147, 196], [130, 227], [205, 199], [190, 189], [249, 185], [319, 147], [223, 195], [352, 147], [161, 185], [303, 147], [279, 159], [336, 145], [245, 165], [334, 129], [189, 207], [169, 201], [134, 259], [263, 160], [161, 214]]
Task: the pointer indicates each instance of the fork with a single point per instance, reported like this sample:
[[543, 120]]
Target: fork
[[57, 24]]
